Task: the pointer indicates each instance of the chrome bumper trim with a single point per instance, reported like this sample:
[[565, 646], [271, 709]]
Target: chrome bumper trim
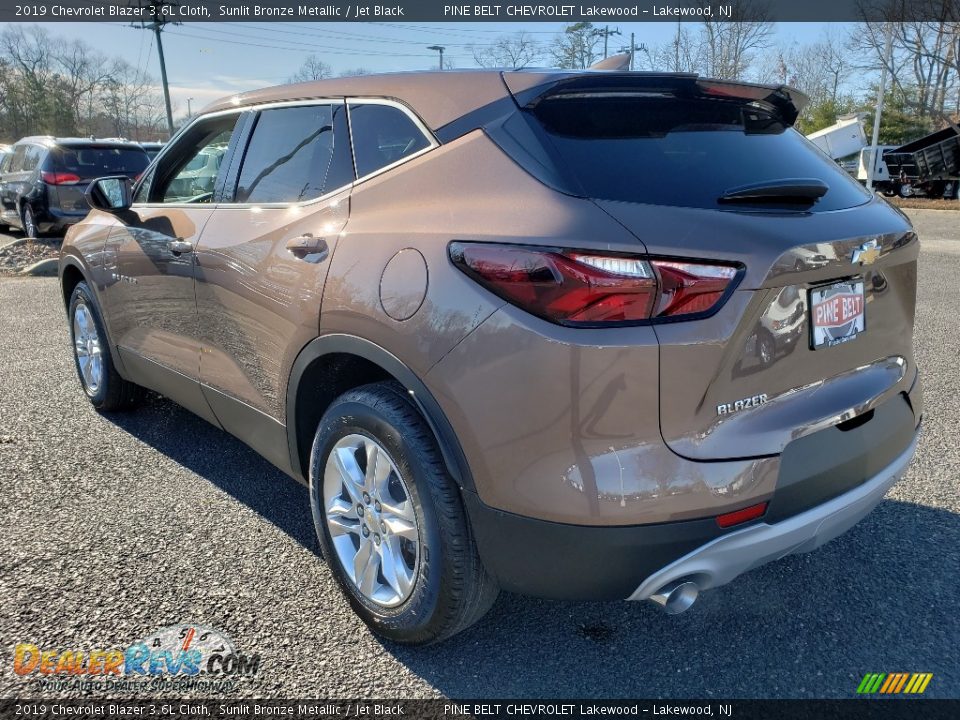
[[721, 560]]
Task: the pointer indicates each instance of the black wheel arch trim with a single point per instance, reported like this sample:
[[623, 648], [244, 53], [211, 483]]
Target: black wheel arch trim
[[337, 343]]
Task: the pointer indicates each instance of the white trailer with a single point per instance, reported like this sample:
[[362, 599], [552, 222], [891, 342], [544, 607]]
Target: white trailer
[[844, 138]]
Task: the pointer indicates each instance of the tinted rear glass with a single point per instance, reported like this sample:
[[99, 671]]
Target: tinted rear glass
[[382, 135], [92, 161], [684, 152]]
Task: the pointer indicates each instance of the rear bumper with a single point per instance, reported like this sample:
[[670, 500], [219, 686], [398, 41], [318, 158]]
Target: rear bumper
[[54, 219], [578, 562], [720, 561]]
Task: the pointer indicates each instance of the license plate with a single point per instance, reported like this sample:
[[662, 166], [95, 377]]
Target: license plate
[[836, 313]]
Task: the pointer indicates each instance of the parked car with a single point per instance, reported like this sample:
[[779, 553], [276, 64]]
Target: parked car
[[4, 154], [197, 177], [42, 189], [152, 148], [497, 322]]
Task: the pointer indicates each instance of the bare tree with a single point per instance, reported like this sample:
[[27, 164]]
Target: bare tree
[[728, 47], [83, 74], [724, 49], [353, 72], [681, 54], [134, 106], [577, 47], [49, 86], [924, 68], [28, 60], [508, 51], [313, 68]]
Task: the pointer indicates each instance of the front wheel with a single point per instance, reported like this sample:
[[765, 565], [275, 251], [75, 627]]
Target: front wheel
[[101, 382], [391, 522]]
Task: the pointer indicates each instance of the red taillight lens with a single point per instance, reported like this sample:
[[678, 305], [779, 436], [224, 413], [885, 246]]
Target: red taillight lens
[[691, 288], [58, 178], [588, 288], [741, 516]]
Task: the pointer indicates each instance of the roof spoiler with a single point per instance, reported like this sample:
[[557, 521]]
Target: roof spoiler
[[531, 88]]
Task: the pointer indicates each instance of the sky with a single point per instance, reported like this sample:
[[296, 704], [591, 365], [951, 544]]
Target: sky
[[206, 61]]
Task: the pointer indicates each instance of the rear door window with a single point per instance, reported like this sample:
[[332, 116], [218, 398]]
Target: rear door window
[[32, 156], [296, 154], [683, 152], [383, 135], [16, 163]]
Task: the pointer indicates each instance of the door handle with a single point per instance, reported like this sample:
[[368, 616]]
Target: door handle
[[179, 245], [307, 244]]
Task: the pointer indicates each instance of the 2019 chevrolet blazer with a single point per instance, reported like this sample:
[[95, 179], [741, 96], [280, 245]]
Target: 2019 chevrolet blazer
[[584, 335]]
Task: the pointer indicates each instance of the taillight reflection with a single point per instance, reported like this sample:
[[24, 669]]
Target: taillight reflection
[[590, 289]]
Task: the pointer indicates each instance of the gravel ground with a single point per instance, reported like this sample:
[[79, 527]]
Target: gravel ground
[[119, 525], [15, 257]]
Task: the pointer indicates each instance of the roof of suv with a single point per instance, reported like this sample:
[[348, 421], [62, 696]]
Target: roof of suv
[[50, 141], [440, 97]]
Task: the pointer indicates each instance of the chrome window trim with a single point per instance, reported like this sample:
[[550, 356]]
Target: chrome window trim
[[431, 140]]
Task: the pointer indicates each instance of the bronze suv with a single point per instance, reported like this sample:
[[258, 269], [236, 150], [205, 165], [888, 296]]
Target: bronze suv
[[583, 335]]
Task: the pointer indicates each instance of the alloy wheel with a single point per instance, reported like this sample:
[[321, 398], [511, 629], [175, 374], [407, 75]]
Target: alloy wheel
[[86, 346], [371, 519], [29, 226]]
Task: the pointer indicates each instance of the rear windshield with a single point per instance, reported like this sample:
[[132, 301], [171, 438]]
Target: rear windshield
[[93, 161], [684, 152]]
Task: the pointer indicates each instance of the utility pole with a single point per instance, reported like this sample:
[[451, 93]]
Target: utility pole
[[874, 161], [606, 33], [676, 50], [633, 48], [159, 10], [439, 49], [189, 109]]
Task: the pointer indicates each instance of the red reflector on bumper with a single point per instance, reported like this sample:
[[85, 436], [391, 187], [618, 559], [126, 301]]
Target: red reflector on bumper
[[741, 516]]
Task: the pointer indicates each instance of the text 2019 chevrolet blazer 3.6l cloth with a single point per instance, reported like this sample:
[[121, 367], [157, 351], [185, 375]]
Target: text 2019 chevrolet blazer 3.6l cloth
[[573, 334]]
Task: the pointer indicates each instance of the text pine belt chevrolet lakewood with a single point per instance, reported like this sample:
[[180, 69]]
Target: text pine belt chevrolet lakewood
[[575, 334]]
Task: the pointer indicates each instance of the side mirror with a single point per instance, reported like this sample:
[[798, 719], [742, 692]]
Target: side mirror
[[110, 194]]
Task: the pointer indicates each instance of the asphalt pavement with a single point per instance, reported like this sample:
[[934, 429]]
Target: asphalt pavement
[[118, 525]]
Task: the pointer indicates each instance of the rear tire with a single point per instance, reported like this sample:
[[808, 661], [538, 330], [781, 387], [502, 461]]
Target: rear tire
[[435, 585], [99, 378], [29, 222]]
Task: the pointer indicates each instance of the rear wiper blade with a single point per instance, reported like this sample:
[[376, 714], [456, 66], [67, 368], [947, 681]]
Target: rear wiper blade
[[788, 190]]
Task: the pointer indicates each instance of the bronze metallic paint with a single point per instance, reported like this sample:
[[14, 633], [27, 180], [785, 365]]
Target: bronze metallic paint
[[598, 427]]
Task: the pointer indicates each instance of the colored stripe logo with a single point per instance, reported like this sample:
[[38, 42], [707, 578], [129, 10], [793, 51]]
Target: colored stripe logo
[[894, 683]]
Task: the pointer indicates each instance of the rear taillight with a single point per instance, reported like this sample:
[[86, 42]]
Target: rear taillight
[[59, 178], [581, 288]]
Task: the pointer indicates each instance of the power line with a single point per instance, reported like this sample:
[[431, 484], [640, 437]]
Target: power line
[[355, 37], [633, 48], [441, 31], [606, 34], [300, 49], [160, 12]]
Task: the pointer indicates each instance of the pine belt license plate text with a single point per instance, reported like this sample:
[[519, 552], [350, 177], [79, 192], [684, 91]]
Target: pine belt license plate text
[[836, 313]]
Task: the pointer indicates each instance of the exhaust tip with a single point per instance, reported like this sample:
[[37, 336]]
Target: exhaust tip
[[677, 597]]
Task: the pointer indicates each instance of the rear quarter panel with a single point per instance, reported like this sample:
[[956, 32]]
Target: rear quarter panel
[[465, 190]]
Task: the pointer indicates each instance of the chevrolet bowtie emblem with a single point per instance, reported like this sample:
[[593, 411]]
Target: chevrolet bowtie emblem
[[866, 253]]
